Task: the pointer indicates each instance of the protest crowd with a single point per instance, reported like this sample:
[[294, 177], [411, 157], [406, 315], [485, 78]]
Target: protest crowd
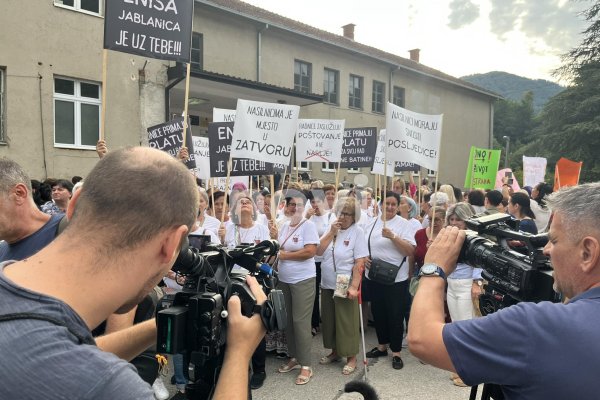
[[331, 239]]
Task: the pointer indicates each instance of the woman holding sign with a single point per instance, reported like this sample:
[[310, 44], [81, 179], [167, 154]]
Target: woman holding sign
[[298, 239], [390, 241]]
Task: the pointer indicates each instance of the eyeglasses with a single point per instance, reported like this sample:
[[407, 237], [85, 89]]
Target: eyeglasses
[[345, 214], [295, 205]]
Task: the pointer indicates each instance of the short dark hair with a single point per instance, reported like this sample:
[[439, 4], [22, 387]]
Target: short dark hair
[[133, 194], [476, 198], [395, 195], [494, 197], [76, 179], [65, 184]]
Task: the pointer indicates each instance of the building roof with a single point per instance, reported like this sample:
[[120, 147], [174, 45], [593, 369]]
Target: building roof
[[264, 16]]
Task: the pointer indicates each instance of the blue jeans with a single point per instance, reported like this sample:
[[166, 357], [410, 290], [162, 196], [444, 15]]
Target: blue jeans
[[180, 380]]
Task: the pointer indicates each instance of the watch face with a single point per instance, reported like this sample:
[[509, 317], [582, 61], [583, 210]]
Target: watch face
[[428, 269]]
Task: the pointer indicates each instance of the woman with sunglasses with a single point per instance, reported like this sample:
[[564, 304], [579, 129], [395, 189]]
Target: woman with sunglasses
[[344, 250]]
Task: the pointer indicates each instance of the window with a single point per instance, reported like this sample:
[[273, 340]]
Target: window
[[377, 102], [331, 84], [430, 172], [2, 106], [399, 96], [77, 107], [197, 55], [355, 92], [328, 167], [91, 6], [354, 170], [302, 76]]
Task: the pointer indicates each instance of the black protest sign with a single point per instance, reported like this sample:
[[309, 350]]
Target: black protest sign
[[359, 147], [406, 166], [169, 137], [150, 28], [219, 144]]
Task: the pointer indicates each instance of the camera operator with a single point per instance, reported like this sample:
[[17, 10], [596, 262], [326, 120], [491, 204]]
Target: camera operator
[[120, 242], [535, 351]]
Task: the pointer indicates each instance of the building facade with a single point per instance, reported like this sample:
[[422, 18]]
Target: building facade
[[51, 83]]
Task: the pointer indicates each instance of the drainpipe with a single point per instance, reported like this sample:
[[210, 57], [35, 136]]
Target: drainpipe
[[168, 96], [259, 52]]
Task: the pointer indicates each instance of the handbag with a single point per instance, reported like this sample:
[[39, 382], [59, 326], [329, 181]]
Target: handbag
[[381, 271], [342, 281]]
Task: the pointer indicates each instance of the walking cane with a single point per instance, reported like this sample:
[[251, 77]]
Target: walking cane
[[362, 330]]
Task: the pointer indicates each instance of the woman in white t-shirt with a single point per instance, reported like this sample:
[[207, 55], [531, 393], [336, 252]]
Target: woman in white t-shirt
[[205, 224], [391, 241], [298, 239], [243, 228], [344, 250]]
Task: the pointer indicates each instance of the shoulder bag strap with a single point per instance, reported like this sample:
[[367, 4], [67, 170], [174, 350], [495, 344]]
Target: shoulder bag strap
[[369, 240]]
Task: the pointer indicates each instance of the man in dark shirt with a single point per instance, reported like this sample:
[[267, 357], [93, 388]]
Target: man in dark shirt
[[534, 351]]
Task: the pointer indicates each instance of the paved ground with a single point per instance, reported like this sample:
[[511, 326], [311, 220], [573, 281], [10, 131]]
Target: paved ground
[[415, 381]]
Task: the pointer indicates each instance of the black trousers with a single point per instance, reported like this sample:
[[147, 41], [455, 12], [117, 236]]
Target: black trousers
[[389, 305], [259, 357], [316, 313]]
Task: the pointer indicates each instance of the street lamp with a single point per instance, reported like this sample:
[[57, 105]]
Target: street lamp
[[507, 138]]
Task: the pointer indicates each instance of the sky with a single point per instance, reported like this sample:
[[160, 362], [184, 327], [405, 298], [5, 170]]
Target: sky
[[457, 37]]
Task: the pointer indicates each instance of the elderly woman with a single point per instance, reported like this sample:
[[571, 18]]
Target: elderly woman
[[464, 284], [408, 211], [205, 224], [391, 241], [344, 249], [298, 239]]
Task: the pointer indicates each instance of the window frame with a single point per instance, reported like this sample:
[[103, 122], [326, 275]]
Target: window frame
[[375, 95], [430, 172], [353, 170], [325, 166], [77, 7], [352, 89], [336, 82], [394, 97], [77, 101], [300, 88], [197, 66]]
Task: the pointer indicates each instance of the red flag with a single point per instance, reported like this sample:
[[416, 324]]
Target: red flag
[[566, 173]]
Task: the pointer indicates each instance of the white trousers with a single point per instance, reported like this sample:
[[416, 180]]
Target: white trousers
[[459, 300]]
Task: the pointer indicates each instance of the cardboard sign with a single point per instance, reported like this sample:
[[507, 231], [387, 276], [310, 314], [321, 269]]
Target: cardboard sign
[[482, 168], [202, 156], [219, 143], [534, 170], [264, 131], [223, 115], [506, 173], [413, 137], [566, 173], [168, 137], [220, 183], [359, 147], [319, 140], [392, 168], [155, 28], [402, 166]]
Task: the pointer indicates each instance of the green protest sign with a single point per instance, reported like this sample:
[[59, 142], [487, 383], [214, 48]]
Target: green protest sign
[[482, 168]]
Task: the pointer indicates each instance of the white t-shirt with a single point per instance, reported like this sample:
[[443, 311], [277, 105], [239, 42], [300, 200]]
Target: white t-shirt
[[385, 249], [294, 271], [415, 225], [210, 223], [322, 223], [235, 235], [262, 219], [350, 244]]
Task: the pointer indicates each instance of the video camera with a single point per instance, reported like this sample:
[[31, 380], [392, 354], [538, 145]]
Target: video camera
[[193, 321], [513, 262]]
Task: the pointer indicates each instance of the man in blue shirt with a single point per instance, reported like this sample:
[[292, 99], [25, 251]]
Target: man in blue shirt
[[534, 351]]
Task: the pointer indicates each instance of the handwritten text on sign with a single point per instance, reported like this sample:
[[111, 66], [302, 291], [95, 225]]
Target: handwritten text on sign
[[319, 140], [413, 137], [150, 28]]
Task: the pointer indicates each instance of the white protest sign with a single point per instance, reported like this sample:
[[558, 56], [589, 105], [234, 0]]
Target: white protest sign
[[413, 137], [378, 162], [264, 131], [223, 115], [202, 153], [320, 140], [220, 183], [534, 170]]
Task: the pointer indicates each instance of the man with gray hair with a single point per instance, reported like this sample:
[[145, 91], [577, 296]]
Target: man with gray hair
[[534, 351], [24, 229], [124, 235]]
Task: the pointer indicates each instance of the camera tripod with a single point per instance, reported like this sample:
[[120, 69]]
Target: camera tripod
[[489, 392]]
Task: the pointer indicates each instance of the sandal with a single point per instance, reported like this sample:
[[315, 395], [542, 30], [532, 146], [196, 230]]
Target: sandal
[[329, 359], [348, 369], [303, 379], [291, 365]]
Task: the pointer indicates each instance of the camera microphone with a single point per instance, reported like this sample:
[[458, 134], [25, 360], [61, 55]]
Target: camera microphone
[[266, 269]]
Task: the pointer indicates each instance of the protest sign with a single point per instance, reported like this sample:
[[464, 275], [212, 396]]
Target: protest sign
[[155, 29], [566, 173], [223, 115], [379, 159], [221, 183], [319, 140], [402, 166], [413, 137], [359, 147], [219, 143], [168, 137], [534, 170], [508, 174], [264, 131], [202, 156], [482, 168]]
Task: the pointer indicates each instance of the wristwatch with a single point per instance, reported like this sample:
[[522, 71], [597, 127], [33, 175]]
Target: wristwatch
[[432, 270]]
